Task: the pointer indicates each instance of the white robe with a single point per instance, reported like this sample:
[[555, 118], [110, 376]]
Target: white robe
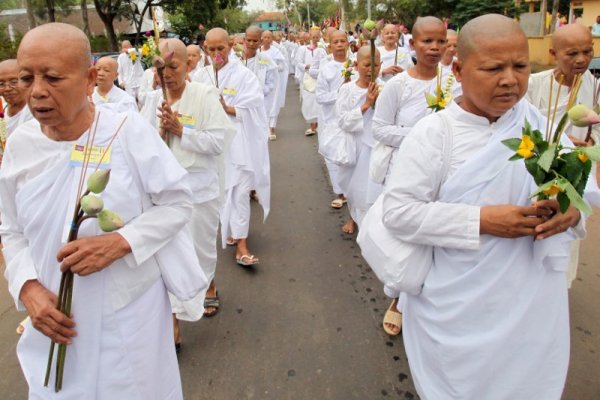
[[146, 85], [400, 105], [12, 123], [310, 108], [116, 99], [130, 73], [249, 152], [492, 319], [403, 60], [283, 69], [266, 71], [537, 94], [119, 352], [200, 151], [354, 181]]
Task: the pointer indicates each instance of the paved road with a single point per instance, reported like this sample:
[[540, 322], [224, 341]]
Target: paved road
[[305, 324]]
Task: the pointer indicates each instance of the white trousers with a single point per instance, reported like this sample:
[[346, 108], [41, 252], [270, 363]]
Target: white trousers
[[332, 169], [273, 121], [310, 108], [239, 220]]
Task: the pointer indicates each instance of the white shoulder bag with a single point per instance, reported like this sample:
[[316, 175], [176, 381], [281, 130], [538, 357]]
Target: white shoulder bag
[[399, 265]]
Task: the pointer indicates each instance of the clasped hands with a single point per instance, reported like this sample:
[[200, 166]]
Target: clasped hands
[[541, 220], [83, 257], [169, 121]]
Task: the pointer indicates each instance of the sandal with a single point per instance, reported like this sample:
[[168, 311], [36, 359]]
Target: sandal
[[252, 260], [338, 203], [392, 317], [212, 302], [231, 241]]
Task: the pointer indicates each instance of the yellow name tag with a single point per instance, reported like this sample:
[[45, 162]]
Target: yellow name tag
[[263, 61], [98, 156], [229, 91], [187, 120], [400, 56]]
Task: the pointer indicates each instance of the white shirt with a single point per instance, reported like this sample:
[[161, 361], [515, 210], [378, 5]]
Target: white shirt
[[117, 99]]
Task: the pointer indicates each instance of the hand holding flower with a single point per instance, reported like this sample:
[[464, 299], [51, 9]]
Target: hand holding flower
[[558, 222], [88, 255], [508, 221]]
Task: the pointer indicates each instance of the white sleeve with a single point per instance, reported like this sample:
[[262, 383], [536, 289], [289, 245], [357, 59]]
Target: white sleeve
[[323, 92], [349, 117], [385, 129], [409, 207]]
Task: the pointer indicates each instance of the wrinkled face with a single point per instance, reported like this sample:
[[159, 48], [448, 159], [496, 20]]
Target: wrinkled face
[[267, 38], [339, 44], [58, 87], [390, 36], [573, 54], [217, 45], [106, 73], [494, 76], [175, 73], [238, 40], [193, 55], [125, 46], [252, 42], [364, 67], [429, 44], [10, 89]]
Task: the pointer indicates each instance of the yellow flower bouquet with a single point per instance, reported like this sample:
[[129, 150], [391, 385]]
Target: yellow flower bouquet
[[559, 170], [440, 99]]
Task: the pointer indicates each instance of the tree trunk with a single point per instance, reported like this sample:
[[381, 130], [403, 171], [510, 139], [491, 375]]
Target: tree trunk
[[107, 19], [51, 13], [554, 15], [543, 10], [30, 15], [84, 16]]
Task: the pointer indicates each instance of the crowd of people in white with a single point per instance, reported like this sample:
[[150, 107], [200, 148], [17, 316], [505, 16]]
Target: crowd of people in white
[[193, 153]]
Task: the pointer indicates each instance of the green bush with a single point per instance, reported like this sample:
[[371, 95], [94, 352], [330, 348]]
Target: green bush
[[8, 49], [99, 44]]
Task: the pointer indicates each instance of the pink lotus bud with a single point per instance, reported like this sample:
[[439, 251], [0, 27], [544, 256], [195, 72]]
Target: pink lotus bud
[[581, 116], [218, 59], [169, 57], [380, 24], [109, 221], [91, 205], [97, 181]]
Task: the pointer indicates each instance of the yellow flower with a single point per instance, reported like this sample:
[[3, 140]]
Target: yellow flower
[[552, 190], [442, 102], [582, 157], [526, 147], [145, 50], [133, 56], [430, 99]]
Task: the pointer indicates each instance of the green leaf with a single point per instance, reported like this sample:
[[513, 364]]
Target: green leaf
[[547, 157], [543, 187], [537, 137], [515, 157], [534, 169], [527, 128], [573, 168], [512, 144], [593, 152], [563, 202], [577, 201]]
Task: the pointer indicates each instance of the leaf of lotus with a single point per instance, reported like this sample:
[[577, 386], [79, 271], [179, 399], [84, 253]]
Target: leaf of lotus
[[98, 180], [109, 221], [91, 205], [593, 152]]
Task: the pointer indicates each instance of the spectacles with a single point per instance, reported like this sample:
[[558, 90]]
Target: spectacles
[[13, 83]]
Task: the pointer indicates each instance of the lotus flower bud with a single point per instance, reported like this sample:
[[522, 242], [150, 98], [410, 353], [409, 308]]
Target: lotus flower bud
[[91, 205], [581, 116], [109, 221], [97, 181], [169, 57], [369, 24]]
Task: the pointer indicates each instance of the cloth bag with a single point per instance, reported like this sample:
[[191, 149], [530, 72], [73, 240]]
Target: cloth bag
[[400, 266], [338, 146], [309, 83], [183, 277]]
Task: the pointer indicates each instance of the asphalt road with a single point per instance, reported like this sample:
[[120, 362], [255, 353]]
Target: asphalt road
[[305, 324]]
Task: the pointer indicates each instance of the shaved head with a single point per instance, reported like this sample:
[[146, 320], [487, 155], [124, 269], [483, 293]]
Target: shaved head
[[337, 33], [485, 28], [364, 52], [174, 45], [389, 27], [451, 33], [66, 40], [192, 48], [425, 23], [567, 33], [9, 66], [217, 34], [267, 34], [254, 30], [109, 62]]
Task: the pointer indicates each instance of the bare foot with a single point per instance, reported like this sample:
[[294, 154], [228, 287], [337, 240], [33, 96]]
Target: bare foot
[[349, 227]]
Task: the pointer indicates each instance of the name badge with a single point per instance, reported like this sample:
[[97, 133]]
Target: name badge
[[187, 121], [98, 156], [263, 61], [400, 56], [229, 91]]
